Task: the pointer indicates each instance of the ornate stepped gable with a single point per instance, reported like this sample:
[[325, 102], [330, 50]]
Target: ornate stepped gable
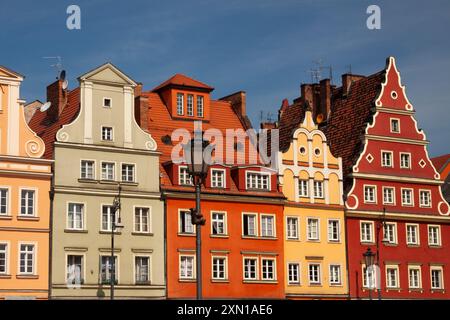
[[359, 129]]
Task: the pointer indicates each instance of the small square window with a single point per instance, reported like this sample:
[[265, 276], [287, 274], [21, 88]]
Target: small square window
[[395, 125], [107, 103], [107, 134]]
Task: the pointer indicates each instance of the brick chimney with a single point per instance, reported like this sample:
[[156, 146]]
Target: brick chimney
[[238, 102], [325, 97], [141, 107], [138, 89], [58, 97], [268, 125], [347, 80], [284, 106]]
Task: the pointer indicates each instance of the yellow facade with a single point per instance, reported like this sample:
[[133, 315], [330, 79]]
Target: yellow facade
[[314, 226], [25, 181]]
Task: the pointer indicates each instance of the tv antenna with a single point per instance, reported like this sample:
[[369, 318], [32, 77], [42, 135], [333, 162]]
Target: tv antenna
[[316, 71], [58, 64]]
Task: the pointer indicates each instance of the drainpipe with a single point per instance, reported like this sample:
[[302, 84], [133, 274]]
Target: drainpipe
[[50, 235]]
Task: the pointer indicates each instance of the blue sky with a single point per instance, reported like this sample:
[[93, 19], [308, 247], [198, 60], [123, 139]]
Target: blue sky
[[264, 47]]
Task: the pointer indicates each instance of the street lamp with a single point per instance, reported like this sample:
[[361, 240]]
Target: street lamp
[[381, 225], [115, 209], [198, 169], [369, 257]]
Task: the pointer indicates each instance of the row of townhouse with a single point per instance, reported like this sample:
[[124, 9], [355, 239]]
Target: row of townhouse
[[351, 162]]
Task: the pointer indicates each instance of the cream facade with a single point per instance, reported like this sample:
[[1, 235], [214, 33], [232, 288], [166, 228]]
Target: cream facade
[[314, 226], [102, 148]]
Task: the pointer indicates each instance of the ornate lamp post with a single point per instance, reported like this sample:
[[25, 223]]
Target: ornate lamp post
[[198, 169], [368, 260], [115, 209], [381, 225]]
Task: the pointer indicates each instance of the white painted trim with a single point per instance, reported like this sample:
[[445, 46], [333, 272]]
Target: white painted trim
[[318, 229], [218, 256], [394, 196], [225, 222], [114, 170], [410, 160], [35, 255], [417, 233], [74, 253], [398, 123], [320, 273], [375, 193], [150, 266], [274, 226], [298, 227], [372, 234], [8, 201], [382, 158], [94, 168], [339, 230], [35, 201], [7, 256], [255, 258], [440, 268], [224, 180], [299, 275], [430, 198], [439, 234], [110, 101], [135, 174], [256, 223], [116, 267], [194, 266], [112, 133], [415, 267], [179, 222], [396, 267], [150, 220], [275, 269], [83, 223], [412, 197]]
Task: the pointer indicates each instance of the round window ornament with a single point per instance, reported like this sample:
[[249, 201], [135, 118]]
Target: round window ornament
[[317, 152], [302, 150], [394, 94]]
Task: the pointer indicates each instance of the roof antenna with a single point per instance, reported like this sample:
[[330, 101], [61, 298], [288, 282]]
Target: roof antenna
[[316, 71], [349, 69], [57, 64]]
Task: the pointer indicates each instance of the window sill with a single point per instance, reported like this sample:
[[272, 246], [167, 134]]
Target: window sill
[[259, 238], [293, 239], [109, 232], [315, 285], [82, 180], [145, 234], [390, 244], [297, 284], [260, 281], [24, 218], [187, 280], [336, 285], [108, 182], [181, 234], [5, 276], [257, 190], [220, 281], [27, 276], [313, 240], [367, 243], [434, 246], [420, 290], [437, 291], [5, 217], [393, 289], [143, 283], [75, 231], [219, 236], [413, 245], [130, 184], [334, 242]]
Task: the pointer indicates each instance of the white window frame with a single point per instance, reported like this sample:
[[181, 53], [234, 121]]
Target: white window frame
[[398, 124], [109, 221], [365, 276], [200, 106], [288, 273], [149, 220], [338, 239], [180, 107], [214, 183], [274, 269], [83, 215], [319, 270], [8, 201], [409, 160], [412, 197], [225, 259], [186, 177], [394, 232], [371, 223], [392, 203], [116, 267], [113, 170], [383, 164], [111, 133], [318, 229], [375, 193], [122, 164], [424, 205], [417, 228], [181, 276], [256, 223], [303, 186], [317, 194], [244, 258], [93, 169], [274, 230], [34, 257], [110, 102], [82, 272], [180, 225], [7, 256], [439, 237], [35, 202], [441, 270], [149, 271], [397, 276], [416, 268], [225, 224], [330, 274], [296, 229], [190, 105], [259, 180]]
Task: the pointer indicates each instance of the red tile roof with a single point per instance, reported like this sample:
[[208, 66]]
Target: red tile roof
[[45, 128], [290, 119], [441, 162], [182, 80]]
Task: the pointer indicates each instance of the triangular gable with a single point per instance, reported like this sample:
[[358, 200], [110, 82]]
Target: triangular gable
[[108, 73], [8, 73]]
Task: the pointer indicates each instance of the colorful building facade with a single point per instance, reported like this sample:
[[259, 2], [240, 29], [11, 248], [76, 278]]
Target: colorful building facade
[[25, 180], [242, 240], [97, 147], [394, 203], [314, 225]]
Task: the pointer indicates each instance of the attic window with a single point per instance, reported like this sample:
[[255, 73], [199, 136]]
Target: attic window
[[107, 103], [167, 140], [394, 95]]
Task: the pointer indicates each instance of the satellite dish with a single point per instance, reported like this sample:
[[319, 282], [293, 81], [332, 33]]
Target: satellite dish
[[45, 106], [319, 118], [65, 84], [62, 75]]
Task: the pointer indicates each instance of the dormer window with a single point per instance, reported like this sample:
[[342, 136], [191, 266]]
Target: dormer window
[[107, 103], [200, 106], [190, 105], [258, 181], [217, 178], [107, 134], [180, 104], [184, 178]]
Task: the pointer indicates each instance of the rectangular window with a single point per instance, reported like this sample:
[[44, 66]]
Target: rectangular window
[[3, 258], [415, 281], [249, 225], [388, 195], [75, 216], [268, 269], [335, 274], [107, 103], [128, 172], [107, 134], [292, 228], [293, 273], [200, 106], [395, 125], [27, 205], [368, 278], [184, 178], [142, 220], [405, 161], [218, 223], [87, 169], [256, 180], [217, 178], [412, 234], [314, 273], [425, 198], [190, 105], [180, 104], [106, 269], [107, 216], [267, 226], [142, 270], [313, 229], [186, 267], [4, 198], [386, 159], [219, 268], [392, 277], [74, 269], [434, 235], [108, 169], [250, 269], [27, 252], [390, 233], [407, 197], [370, 194], [303, 188], [333, 230], [436, 278], [318, 189], [366, 232], [186, 225]]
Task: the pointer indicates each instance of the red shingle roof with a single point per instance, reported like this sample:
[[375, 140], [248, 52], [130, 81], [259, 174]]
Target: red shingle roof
[[46, 129], [182, 80], [290, 119], [441, 161]]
